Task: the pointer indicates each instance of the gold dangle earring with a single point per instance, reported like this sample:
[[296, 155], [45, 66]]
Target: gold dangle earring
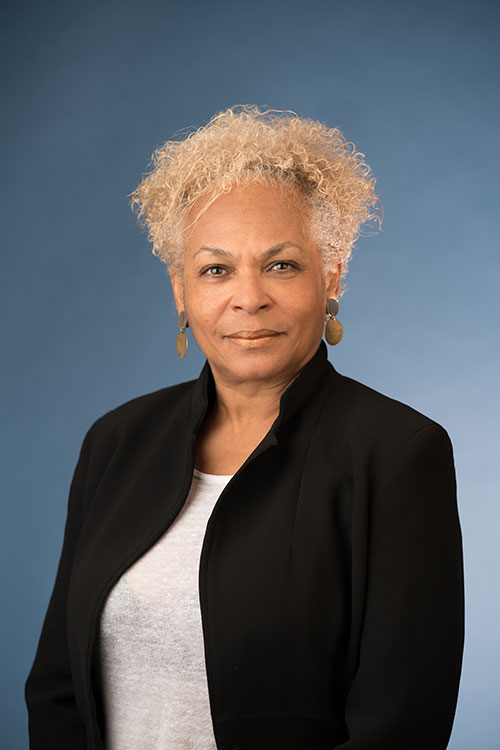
[[333, 329], [182, 340]]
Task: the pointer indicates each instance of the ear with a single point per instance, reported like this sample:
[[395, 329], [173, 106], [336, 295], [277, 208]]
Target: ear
[[333, 282], [178, 289]]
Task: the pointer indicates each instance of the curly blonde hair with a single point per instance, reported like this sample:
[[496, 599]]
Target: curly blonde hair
[[243, 144]]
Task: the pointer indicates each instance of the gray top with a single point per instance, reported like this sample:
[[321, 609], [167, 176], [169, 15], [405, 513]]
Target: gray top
[[151, 640]]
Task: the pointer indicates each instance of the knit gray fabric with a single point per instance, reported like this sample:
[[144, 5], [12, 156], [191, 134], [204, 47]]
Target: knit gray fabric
[[151, 640]]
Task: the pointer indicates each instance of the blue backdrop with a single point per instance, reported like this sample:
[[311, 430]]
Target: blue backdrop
[[88, 90]]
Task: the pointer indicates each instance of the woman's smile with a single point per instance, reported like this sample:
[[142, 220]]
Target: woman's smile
[[253, 339]]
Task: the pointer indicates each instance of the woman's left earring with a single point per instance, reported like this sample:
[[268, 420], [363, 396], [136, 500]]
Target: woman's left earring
[[333, 329], [182, 340]]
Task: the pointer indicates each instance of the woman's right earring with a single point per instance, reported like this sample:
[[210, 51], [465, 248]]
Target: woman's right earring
[[182, 340], [333, 329]]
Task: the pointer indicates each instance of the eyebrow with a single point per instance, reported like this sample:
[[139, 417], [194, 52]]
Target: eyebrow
[[274, 250]]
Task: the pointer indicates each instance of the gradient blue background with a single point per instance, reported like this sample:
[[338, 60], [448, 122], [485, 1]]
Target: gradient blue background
[[88, 90]]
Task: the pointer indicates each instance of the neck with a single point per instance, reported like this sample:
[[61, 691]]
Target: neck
[[246, 405], [238, 405], [232, 417]]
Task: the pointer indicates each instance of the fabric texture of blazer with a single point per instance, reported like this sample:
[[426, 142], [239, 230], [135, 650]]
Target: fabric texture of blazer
[[330, 577]]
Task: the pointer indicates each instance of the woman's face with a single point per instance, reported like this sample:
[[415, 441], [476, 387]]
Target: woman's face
[[252, 286]]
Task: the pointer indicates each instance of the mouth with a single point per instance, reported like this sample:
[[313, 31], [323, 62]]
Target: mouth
[[261, 333]]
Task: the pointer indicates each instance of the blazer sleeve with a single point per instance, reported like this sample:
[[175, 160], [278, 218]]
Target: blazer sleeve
[[53, 716], [404, 693]]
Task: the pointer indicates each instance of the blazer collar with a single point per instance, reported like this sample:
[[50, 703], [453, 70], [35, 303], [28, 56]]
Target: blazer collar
[[297, 394]]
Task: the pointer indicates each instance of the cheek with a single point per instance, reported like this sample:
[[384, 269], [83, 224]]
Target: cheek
[[307, 300], [204, 311]]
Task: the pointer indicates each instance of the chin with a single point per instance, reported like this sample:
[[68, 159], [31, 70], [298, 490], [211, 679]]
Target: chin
[[253, 365]]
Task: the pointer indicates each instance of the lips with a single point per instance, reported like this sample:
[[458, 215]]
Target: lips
[[261, 333]]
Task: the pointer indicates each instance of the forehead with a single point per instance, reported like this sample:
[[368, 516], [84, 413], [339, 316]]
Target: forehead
[[255, 210]]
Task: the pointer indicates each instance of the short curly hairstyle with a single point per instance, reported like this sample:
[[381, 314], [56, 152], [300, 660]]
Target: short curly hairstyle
[[243, 144]]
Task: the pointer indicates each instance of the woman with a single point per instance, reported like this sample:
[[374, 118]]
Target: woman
[[269, 556]]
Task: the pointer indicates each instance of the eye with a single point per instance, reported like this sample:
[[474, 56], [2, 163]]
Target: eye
[[214, 270], [283, 265]]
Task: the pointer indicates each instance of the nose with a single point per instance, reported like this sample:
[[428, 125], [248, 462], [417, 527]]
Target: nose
[[250, 294]]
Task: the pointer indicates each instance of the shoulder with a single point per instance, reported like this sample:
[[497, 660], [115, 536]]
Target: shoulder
[[143, 415], [374, 425], [366, 404]]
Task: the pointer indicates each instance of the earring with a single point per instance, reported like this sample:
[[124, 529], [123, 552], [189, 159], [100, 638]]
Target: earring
[[333, 329], [182, 340]]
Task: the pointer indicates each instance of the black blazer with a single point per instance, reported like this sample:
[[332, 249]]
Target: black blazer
[[331, 573]]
